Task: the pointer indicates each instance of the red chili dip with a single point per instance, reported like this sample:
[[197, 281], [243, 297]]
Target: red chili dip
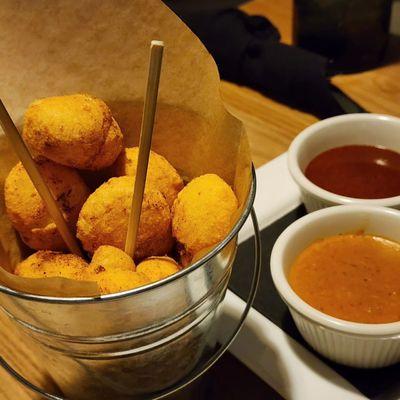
[[363, 172]]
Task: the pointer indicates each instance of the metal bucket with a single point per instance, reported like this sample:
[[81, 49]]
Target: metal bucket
[[132, 344]]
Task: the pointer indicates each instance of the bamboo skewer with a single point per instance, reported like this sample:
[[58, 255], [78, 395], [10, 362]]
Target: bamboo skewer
[[31, 168], [146, 133]]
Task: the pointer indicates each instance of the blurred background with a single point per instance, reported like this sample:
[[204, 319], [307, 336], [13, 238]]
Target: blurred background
[[288, 63]]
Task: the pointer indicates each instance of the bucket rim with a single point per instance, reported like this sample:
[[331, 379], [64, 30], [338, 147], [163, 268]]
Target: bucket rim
[[141, 289]]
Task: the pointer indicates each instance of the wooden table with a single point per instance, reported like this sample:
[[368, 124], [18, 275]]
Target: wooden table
[[271, 127]]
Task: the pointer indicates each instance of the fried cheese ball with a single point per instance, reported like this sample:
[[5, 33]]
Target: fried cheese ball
[[114, 271], [157, 268], [76, 130], [110, 258], [49, 264], [103, 219], [27, 211], [119, 280], [161, 175], [201, 214]]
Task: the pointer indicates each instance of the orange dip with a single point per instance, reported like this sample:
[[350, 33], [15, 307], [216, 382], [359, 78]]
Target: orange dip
[[363, 172], [355, 277]]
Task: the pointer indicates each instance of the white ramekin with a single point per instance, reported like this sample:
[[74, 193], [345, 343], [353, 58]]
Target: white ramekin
[[349, 343], [366, 129]]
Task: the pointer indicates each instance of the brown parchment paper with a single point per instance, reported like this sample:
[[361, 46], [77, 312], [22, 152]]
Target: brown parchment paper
[[50, 48]]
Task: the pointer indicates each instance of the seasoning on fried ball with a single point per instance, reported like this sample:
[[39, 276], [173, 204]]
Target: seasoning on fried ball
[[110, 149], [27, 211], [49, 264], [157, 268], [104, 219], [110, 258], [161, 175], [75, 130], [202, 213]]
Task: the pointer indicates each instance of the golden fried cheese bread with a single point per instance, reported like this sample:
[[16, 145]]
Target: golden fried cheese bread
[[103, 219], [119, 280], [110, 258], [157, 268], [161, 175], [49, 264], [76, 130], [201, 214], [114, 271], [27, 211]]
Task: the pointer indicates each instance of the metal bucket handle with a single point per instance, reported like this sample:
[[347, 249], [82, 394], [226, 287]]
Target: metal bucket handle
[[211, 361]]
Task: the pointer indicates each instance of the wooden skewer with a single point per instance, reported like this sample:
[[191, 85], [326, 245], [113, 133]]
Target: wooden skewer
[[146, 133], [31, 168]]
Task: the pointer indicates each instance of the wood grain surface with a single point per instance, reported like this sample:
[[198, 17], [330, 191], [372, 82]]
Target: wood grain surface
[[271, 127]]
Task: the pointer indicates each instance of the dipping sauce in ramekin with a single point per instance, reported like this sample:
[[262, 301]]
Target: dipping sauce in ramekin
[[356, 344], [355, 277], [370, 130], [358, 171]]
